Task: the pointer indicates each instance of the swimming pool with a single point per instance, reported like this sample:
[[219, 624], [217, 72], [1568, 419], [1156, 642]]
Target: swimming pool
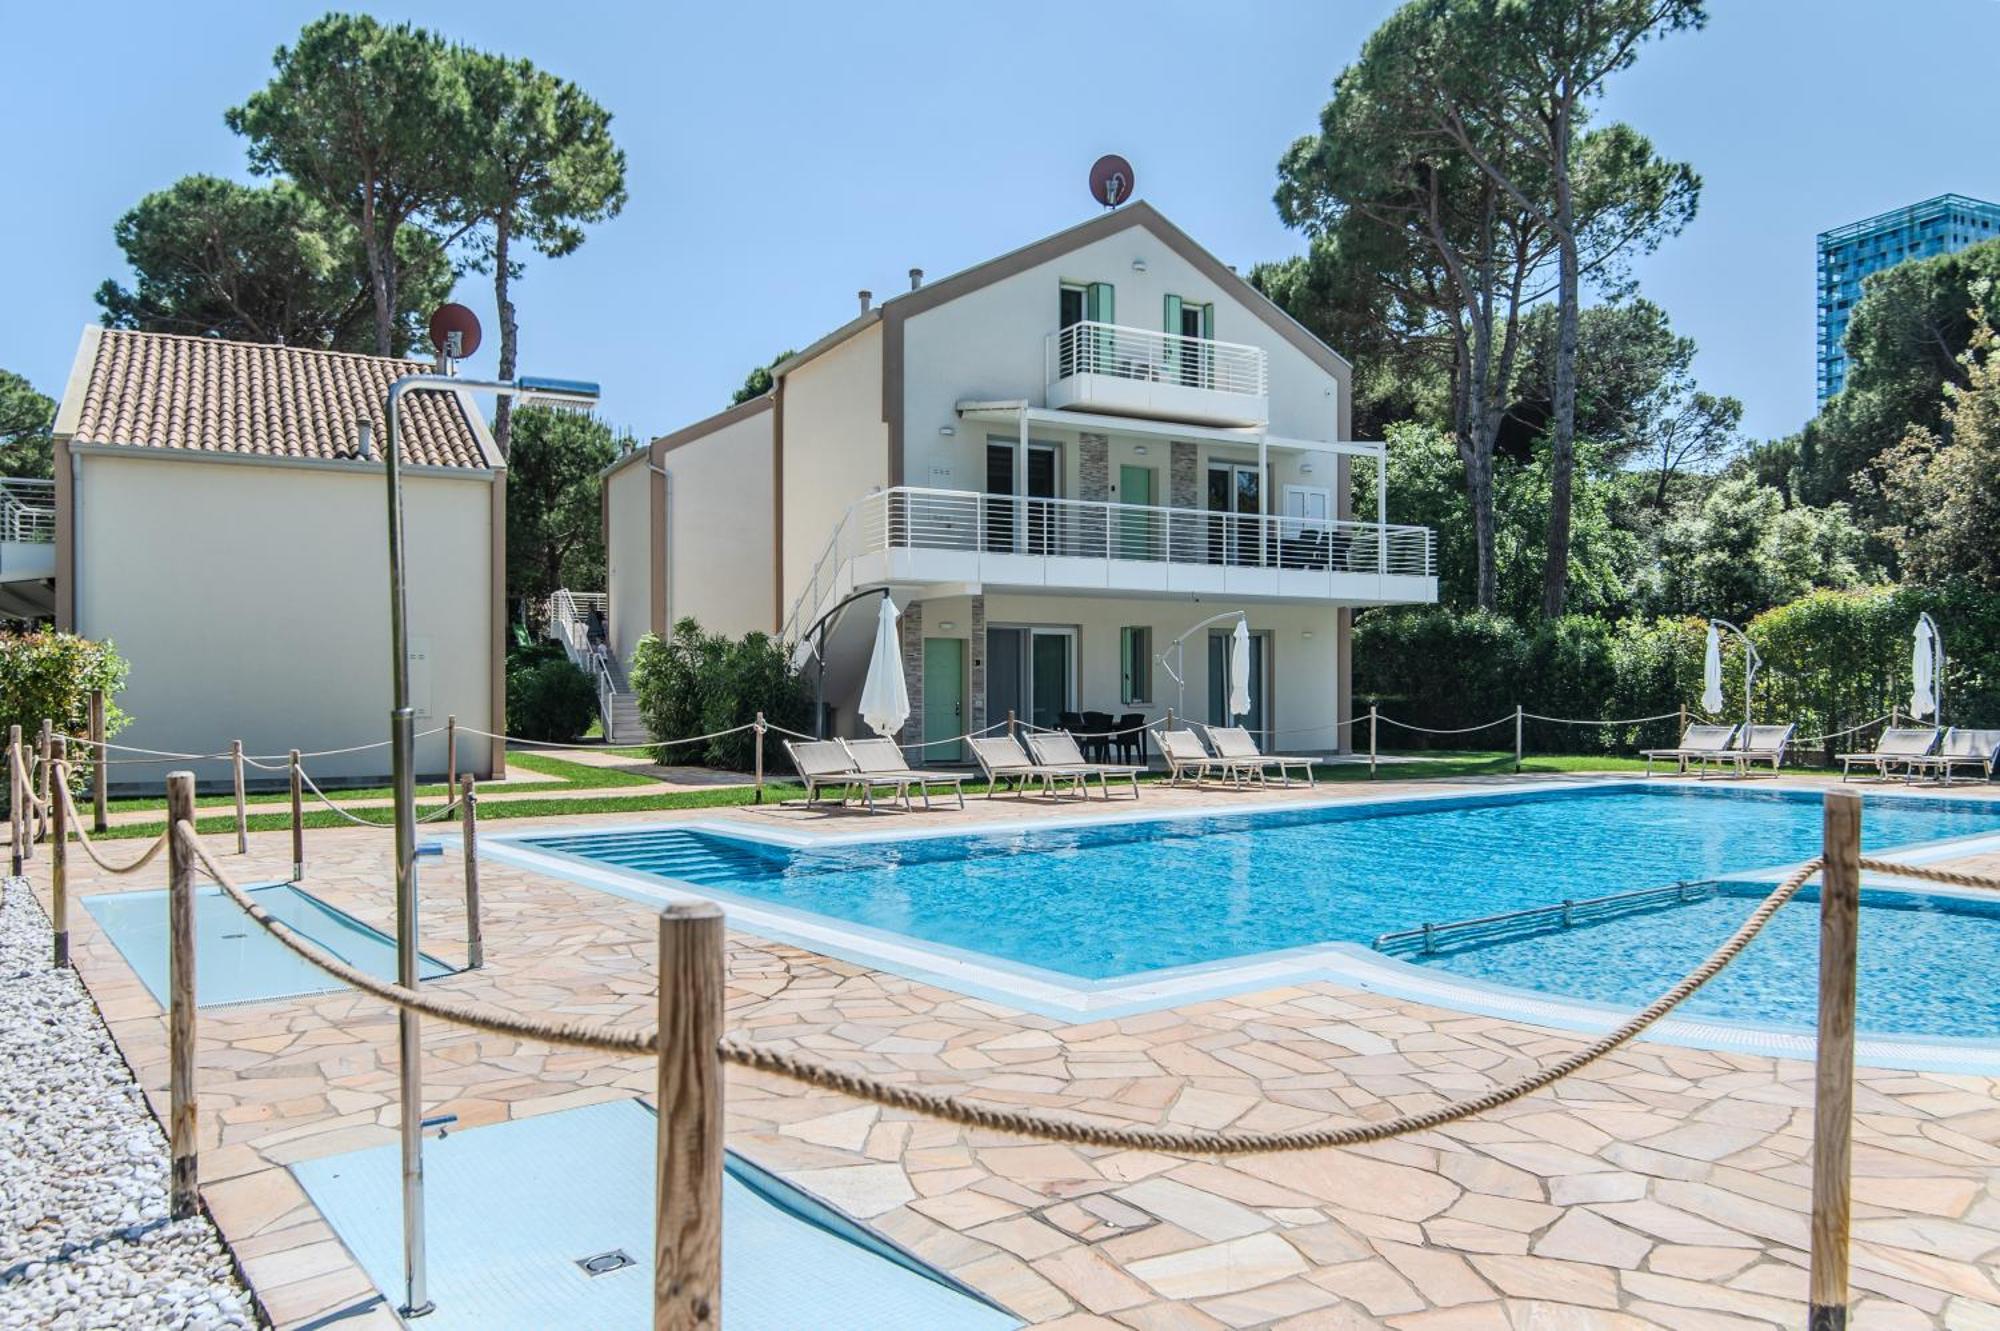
[[235, 959], [1099, 902]]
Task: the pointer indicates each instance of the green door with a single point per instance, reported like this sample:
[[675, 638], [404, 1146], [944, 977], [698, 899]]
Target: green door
[[1137, 534], [944, 699]]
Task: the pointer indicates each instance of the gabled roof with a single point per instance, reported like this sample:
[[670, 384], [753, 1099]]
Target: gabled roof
[[1139, 214], [167, 391]]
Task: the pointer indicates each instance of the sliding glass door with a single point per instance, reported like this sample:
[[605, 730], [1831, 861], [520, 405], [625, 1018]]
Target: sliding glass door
[[1030, 671]]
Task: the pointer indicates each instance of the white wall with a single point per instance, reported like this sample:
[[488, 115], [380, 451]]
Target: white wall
[[988, 345], [252, 602], [836, 448], [628, 548], [720, 560]]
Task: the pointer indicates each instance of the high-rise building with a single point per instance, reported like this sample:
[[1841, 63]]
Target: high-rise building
[[1849, 253]]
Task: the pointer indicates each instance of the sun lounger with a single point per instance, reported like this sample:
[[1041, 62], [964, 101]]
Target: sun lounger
[[1003, 760], [1759, 744], [823, 764], [1185, 752], [881, 760], [1237, 744], [1699, 744], [1977, 749], [1057, 751], [1900, 747]]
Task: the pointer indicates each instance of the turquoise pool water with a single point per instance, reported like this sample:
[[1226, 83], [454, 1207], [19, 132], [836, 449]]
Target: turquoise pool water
[[236, 961], [512, 1208], [1122, 899]]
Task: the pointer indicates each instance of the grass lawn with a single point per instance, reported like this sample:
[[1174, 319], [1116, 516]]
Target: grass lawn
[[563, 775]]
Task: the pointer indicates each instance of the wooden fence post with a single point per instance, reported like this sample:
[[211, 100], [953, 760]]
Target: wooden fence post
[[450, 755], [1011, 722], [180, 1008], [475, 935], [1517, 737], [100, 758], [59, 856], [1373, 717], [298, 819], [1833, 1081], [687, 1236], [44, 742], [760, 757], [242, 814], [17, 792]]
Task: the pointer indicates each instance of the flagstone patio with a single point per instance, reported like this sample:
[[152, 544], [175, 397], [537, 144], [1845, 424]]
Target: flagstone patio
[[1662, 1188]]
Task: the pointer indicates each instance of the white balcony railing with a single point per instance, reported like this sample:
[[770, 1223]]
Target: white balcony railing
[[1082, 544], [1159, 358], [27, 510]]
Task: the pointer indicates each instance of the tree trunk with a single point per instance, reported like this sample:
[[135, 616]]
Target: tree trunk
[[372, 243], [1479, 497], [503, 415], [1562, 432]]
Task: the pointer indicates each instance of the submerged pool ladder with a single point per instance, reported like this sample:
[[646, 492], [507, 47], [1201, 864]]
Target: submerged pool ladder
[[1565, 914]]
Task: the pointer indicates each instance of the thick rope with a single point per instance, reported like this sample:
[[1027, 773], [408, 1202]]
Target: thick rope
[[1622, 721], [944, 1105], [1432, 730], [1950, 877], [478, 1016], [1807, 741], [654, 743], [61, 792], [1075, 1132], [430, 817]]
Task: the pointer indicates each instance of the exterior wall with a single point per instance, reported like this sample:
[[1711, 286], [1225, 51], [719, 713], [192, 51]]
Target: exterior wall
[[628, 549], [250, 601], [988, 345], [1308, 695], [720, 528], [835, 450]]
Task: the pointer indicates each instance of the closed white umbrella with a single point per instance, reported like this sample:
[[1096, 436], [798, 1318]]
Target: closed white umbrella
[[1924, 669], [1711, 673], [1239, 670], [885, 699]]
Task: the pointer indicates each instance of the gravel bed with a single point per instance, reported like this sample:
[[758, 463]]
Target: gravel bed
[[84, 1235]]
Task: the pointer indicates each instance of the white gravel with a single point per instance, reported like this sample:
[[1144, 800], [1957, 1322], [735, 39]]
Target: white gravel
[[84, 1237]]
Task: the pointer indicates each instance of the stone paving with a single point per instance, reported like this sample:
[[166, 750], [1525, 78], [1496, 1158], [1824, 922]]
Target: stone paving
[[1662, 1188]]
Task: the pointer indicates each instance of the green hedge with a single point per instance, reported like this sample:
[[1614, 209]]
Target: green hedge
[[45, 674], [1831, 660], [696, 683], [549, 699]]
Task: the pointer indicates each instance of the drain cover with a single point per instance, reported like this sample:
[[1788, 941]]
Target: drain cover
[[604, 1263]]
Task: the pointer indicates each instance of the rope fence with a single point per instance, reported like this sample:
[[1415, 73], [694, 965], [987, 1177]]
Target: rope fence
[[690, 1045]]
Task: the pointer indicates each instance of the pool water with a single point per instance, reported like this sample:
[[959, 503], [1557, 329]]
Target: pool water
[[1120, 899], [235, 959], [1926, 962]]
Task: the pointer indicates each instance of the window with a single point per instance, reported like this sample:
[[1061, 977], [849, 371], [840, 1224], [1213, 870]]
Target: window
[[1135, 664]]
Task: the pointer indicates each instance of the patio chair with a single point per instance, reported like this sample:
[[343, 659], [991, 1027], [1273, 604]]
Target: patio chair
[[1057, 751], [1699, 743], [883, 760], [1003, 760], [1131, 738], [1237, 743], [1757, 744], [822, 763], [1096, 736], [1977, 749], [1898, 747], [1185, 752]]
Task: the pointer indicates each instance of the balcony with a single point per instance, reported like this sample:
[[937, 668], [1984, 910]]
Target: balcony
[[911, 536], [1136, 372]]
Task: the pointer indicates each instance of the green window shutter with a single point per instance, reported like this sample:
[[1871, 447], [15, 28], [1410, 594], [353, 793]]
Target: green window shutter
[[1174, 314], [1208, 322], [1102, 302], [1173, 321]]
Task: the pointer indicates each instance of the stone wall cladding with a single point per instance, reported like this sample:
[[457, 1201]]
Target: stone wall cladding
[[912, 629], [978, 668], [1184, 492], [1093, 466]]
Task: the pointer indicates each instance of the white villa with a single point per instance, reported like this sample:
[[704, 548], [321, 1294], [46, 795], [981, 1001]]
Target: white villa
[[1056, 463]]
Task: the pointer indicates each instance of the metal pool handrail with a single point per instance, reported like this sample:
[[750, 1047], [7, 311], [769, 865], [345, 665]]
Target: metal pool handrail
[[1563, 914]]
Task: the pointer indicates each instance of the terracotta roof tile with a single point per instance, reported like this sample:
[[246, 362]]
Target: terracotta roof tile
[[161, 390]]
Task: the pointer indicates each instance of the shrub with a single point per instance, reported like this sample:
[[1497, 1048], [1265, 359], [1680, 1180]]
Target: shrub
[[696, 683], [45, 674], [550, 700]]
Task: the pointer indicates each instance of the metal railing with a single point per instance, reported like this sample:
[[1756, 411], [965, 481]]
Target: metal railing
[[27, 510], [1567, 914], [569, 624], [1161, 358], [915, 518]]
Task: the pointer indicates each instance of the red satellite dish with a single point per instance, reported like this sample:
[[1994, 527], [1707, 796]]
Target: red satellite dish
[[450, 320], [1111, 180]]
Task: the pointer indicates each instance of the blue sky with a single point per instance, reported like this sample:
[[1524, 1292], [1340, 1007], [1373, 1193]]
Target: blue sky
[[785, 156]]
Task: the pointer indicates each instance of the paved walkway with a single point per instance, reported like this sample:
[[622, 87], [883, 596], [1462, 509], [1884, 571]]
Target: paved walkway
[[1663, 1188]]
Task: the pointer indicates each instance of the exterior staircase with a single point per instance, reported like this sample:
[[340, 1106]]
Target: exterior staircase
[[569, 615]]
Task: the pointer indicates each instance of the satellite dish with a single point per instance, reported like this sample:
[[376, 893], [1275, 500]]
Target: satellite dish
[[455, 331], [1111, 180]]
